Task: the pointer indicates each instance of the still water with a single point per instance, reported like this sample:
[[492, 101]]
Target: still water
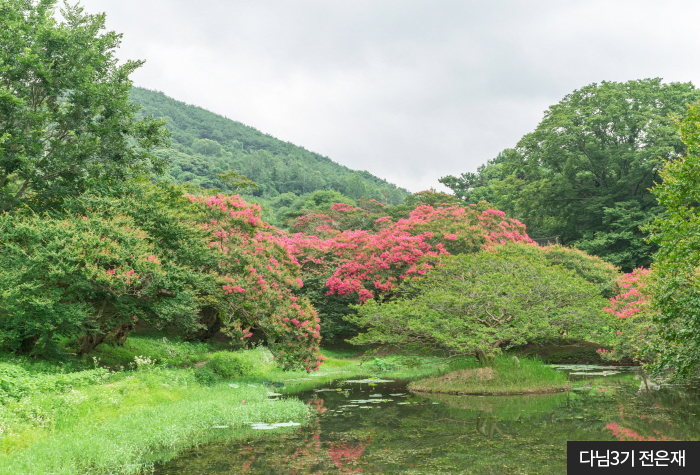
[[380, 427]]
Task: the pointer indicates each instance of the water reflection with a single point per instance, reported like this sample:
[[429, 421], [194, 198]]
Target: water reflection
[[358, 428]]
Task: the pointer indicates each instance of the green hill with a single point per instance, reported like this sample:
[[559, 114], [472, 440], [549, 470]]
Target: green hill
[[290, 177]]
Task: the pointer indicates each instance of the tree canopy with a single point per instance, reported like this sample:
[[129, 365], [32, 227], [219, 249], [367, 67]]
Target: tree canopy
[[584, 174], [66, 122], [477, 303], [675, 286]]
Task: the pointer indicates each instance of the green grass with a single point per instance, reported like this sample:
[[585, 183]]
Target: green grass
[[129, 421], [165, 351], [345, 353], [503, 376], [77, 417]]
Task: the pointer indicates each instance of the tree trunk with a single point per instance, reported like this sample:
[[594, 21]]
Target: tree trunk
[[209, 318], [117, 334], [483, 358]]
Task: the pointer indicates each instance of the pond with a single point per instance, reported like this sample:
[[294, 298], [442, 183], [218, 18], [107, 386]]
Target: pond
[[378, 426]]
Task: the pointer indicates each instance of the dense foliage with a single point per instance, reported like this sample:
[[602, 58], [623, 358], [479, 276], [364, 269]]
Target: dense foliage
[[80, 276], [584, 173], [66, 122], [676, 284], [149, 254], [350, 255], [477, 303]]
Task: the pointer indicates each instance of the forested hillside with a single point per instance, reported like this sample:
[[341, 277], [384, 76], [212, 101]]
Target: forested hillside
[[205, 144], [584, 174]]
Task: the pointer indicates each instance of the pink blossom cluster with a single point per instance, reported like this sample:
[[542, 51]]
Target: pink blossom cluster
[[633, 298], [258, 271], [369, 264]]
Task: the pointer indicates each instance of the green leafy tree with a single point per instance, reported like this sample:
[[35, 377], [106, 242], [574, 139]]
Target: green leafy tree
[[237, 183], [83, 277], [89, 271], [207, 147], [675, 288], [479, 303], [65, 117], [355, 188], [584, 173]]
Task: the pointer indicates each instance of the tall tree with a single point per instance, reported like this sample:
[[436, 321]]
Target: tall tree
[[675, 286], [585, 172], [65, 117]]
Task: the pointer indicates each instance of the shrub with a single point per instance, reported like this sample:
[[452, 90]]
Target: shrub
[[206, 376], [230, 365], [16, 382], [478, 303]]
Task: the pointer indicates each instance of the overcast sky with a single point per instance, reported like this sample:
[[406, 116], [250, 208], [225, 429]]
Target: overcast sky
[[408, 90]]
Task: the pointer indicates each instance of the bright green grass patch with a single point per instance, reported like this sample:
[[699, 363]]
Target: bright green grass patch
[[129, 422], [53, 421], [503, 376], [170, 352], [345, 353]]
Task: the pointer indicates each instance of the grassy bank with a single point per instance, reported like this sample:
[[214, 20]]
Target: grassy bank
[[66, 419], [504, 376], [122, 422]]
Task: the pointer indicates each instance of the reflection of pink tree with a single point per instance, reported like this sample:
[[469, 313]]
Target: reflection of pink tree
[[623, 433], [296, 456], [644, 423], [303, 453], [346, 454]]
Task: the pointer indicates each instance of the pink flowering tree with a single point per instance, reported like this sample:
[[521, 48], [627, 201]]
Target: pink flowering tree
[[635, 330], [370, 264], [342, 267], [257, 274], [144, 252]]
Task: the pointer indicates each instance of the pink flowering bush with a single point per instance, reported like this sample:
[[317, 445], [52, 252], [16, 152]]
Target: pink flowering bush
[[635, 331], [146, 253], [371, 264], [257, 273]]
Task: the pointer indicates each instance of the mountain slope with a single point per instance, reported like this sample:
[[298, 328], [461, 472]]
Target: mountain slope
[[205, 144]]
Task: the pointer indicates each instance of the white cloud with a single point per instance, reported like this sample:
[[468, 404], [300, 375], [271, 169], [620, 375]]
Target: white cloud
[[407, 90]]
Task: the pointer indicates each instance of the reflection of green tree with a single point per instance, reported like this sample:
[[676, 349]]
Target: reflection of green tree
[[654, 414], [460, 434]]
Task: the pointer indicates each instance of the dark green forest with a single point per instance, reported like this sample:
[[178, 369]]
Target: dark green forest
[[584, 174], [289, 178]]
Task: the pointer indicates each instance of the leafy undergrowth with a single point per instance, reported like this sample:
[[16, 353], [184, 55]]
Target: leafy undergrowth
[[168, 351], [503, 376]]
